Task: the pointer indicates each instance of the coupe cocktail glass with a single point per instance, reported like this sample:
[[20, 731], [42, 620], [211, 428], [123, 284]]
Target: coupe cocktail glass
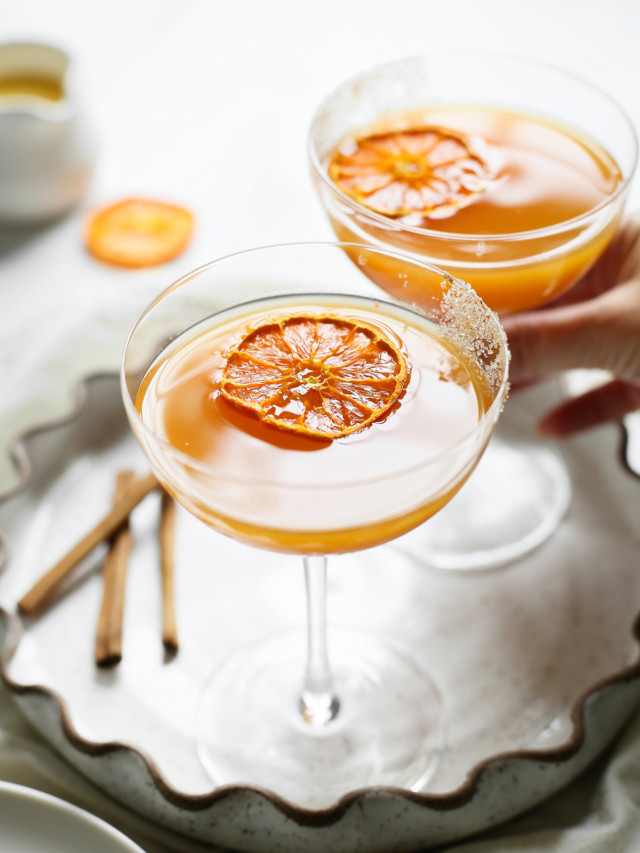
[[544, 185], [313, 715]]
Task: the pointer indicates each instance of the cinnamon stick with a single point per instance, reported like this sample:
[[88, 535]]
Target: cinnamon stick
[[108, 647], [167, 564], [39, 595]]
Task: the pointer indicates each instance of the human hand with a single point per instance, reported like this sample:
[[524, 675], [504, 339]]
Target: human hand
[[597, 325]]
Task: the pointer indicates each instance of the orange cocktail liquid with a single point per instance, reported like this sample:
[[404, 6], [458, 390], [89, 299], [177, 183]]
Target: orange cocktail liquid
[[546, 175], [19, 88], [295, 493]]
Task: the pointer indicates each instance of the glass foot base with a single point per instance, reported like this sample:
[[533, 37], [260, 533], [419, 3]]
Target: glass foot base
[[514, 500], [388, 730]]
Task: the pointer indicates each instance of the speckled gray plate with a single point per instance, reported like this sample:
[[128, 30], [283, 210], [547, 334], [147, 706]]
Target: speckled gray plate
[[537, 662]]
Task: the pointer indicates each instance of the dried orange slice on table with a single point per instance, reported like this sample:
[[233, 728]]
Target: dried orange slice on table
[[424, 171], [315, 375], [138, 232]]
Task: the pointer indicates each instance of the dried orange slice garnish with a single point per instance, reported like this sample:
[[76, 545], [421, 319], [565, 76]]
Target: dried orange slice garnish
[[315, 375], [138, 232], [426, 171]]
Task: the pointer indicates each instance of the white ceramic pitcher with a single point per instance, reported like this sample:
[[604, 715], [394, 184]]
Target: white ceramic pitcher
[[47, 143]]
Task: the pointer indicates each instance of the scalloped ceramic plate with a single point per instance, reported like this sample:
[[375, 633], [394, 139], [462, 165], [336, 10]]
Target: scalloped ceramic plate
[[537, 662]]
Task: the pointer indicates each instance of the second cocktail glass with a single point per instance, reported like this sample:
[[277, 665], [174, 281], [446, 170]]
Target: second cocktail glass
[[511, 175], [290, 404]]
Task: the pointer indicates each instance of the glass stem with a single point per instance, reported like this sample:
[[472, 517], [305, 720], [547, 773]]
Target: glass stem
[[318, 702]]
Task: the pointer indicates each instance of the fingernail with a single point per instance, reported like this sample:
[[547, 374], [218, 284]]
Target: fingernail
[[549, 428], [541, 430]]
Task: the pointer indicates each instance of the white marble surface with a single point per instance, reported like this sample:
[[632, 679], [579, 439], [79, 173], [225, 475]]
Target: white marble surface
[[208, 103]]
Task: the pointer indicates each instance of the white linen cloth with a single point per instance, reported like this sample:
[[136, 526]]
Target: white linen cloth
[[597, 813]]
